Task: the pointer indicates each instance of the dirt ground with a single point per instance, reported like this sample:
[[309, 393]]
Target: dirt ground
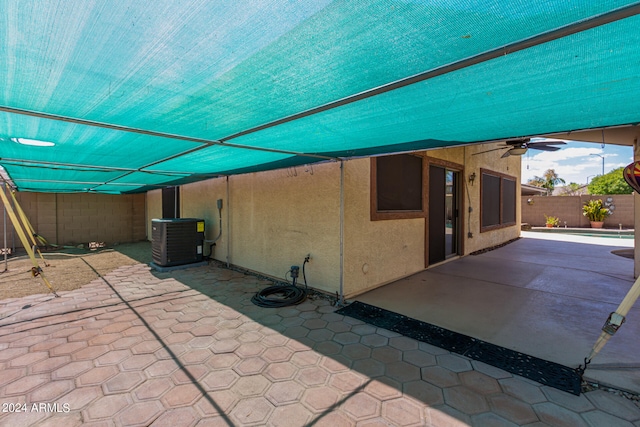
[[68, 269]]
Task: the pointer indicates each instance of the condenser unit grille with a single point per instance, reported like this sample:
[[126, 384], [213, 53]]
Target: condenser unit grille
[[177, 241]]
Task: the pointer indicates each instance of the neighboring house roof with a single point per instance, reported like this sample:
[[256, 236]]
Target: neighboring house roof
[[566, 190], [134, 97], [532, 190]]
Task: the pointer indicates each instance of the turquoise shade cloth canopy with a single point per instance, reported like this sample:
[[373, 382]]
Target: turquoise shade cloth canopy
[[139, 95]]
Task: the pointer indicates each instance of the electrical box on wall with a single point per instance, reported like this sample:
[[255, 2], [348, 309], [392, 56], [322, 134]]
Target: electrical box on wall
[[177, 241]]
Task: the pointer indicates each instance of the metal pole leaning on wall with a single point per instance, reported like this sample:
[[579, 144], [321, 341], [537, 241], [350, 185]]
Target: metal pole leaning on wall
[[341, 297], [28, 227], [36, 270]]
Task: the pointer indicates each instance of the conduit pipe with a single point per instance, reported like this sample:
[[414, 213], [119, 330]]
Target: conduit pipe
[[341, 296]]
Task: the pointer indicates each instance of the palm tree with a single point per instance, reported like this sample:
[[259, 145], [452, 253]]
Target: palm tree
[[548, 180]]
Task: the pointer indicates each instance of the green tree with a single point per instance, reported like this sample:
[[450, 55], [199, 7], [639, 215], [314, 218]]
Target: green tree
[[572, 189], [548, 180], [610, 183]]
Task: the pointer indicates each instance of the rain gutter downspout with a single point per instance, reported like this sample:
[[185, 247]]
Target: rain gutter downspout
[[341, 296], [228, 209]]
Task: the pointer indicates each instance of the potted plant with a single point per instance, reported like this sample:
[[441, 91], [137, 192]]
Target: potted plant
[[551, 221], [596, 212]]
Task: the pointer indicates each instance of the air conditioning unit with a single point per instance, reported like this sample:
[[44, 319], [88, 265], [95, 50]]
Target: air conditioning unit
[[176, 241]]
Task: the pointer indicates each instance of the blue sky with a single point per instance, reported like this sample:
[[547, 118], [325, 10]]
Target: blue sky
[[575, 162]]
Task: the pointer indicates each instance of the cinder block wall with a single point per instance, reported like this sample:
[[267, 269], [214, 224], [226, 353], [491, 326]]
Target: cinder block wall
[[569, 209], [72, 219]]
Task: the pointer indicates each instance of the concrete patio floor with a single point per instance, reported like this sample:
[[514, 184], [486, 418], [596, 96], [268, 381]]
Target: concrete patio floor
[[188, 348], [546, 295]]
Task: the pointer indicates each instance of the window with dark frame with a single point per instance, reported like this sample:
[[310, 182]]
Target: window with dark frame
[[399, 183], [498, 204]]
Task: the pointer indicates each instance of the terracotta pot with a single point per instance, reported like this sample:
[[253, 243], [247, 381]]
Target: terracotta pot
[[549, 225], [597, 224]]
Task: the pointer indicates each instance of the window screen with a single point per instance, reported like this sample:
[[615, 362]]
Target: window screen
[[508, 201], [399, 183], [498, 200], [171, 202], [490, 200]]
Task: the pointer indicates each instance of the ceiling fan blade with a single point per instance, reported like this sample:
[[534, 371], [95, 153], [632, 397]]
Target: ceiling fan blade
[[544, 148], [487, 151], [543, 143]]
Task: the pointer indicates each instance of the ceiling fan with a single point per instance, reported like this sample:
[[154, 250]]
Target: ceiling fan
[[517, 147]]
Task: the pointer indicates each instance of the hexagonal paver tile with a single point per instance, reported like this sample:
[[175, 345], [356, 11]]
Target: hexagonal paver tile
[[161, 368], [599, 418], [67, 348], [181, 395], [250, 366], [252, 411], [51, 391], [319, 399], [253, 385], [140, 413], [97, 375], [614, 405], [250, 336], [280, 371], [80, 397], [335, 364], [313, 376], [28, 359], [277, 354], [356, 351], [189, 374], [346, 382], [320, 335], [402, 371], [113, 357], [479, 382], [107, 407], [555, 415], [374, 340], [575, 403], [125, 342], [512, 409], [219, 380], [419, 358], [369, 367], [216, 403], [465, 400], [224, 346], [439, 376], [339, 327], [284, 392], [153, 388], [454, 363], [362, 406], [250, 349], [386, 354], [489, 419], [384, 389], [402, 412], [48, 365], [146, 347], [222, 361], [91, 353], [303, 359], [290, 415], [345, 338], [424, 392], [122, 382], [136, 362], [176, 417], [403, 343], [522, 390]]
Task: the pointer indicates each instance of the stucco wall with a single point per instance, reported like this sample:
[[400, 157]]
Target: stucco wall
[[272, 219], [69, 219], [569, 210], [376, 252]]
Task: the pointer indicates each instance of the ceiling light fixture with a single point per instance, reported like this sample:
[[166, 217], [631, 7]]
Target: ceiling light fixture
[[33, 142]]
